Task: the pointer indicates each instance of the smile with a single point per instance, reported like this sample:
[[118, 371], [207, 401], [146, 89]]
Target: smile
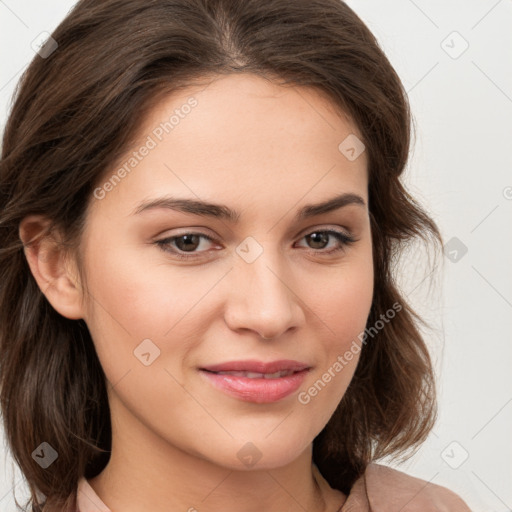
[[260, 386]]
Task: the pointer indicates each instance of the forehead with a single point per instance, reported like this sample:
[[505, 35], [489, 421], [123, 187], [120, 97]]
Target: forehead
[[241, 137], [247, 107]]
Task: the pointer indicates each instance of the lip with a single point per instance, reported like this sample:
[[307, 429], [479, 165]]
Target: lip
[[253, 365], [257, 390]]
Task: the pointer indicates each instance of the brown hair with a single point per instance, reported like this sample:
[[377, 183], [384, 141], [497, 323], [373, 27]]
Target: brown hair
[[75, 113]]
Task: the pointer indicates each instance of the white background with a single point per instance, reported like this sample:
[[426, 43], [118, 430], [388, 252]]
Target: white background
[[460, 169]]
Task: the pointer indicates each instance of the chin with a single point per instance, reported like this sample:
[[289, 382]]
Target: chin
[[261, 453]]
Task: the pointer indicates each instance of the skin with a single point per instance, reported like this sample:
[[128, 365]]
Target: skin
[[264, 150]]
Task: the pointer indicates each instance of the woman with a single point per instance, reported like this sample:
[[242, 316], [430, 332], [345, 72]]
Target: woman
[[269, 365]]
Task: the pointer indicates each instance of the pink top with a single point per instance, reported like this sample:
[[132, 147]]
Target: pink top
[[380, 488]]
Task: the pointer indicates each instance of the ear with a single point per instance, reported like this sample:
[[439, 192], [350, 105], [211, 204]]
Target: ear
[[51, 266]]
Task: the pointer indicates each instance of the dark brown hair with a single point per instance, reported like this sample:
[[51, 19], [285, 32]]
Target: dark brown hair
[[75, 113]]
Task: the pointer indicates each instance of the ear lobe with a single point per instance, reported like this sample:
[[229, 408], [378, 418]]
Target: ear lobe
[[49, 263]]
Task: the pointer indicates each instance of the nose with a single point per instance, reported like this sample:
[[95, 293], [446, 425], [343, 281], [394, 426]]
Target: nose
[[262, 298]]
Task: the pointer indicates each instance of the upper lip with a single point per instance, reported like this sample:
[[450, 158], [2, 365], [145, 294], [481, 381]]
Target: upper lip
[[258, 366]]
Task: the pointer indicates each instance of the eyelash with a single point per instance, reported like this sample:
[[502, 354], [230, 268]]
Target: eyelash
[[344, 239]]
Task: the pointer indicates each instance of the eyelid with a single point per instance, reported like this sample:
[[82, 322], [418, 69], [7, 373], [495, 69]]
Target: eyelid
[[193, 230], [326, 227]]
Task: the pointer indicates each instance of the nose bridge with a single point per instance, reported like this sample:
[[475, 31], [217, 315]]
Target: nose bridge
[[262, 298]]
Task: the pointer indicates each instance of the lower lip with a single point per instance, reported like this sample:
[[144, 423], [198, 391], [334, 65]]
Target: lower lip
[[259, 391]]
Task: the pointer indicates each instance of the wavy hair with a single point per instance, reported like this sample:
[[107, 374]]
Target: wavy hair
[[76, 111]]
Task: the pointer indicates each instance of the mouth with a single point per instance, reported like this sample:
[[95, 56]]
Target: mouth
[[256, 381]]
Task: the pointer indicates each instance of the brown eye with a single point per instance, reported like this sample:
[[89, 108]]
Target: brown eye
[[185, 243], [318, 240]]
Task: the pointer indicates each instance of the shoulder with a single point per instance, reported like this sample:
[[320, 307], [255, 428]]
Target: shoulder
[[388, 490]]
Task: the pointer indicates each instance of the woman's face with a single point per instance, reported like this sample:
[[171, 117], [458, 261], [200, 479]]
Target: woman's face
[[268, 154]]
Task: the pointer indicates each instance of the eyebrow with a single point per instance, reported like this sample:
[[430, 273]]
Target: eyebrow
[[221, 211]]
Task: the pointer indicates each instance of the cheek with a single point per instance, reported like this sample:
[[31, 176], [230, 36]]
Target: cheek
[[137, 293], [342, 300], [134, 299], [346, 315], [341, 308]]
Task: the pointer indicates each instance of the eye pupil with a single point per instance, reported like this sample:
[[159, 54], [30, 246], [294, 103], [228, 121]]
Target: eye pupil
[[188, 238], [318, 237]]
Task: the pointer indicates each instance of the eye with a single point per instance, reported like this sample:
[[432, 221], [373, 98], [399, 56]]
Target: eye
[[185, 243], [321, 238]]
